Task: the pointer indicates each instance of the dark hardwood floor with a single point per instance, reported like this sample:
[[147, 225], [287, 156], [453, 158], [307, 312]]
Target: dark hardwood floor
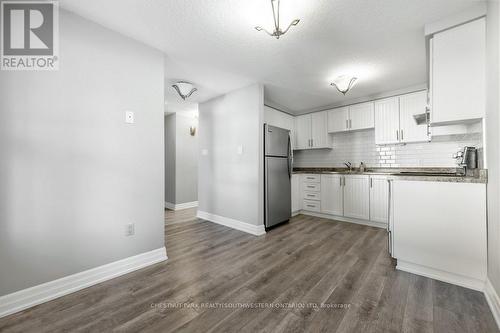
[[222, 280]]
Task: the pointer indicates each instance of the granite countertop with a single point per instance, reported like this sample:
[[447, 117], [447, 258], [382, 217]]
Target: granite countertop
[[451, 175]]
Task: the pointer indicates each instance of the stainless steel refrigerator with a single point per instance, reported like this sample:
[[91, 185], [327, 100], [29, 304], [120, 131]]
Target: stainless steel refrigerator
[[277, 175]]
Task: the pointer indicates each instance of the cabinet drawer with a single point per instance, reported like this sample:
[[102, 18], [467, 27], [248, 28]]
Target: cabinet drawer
[[311, 187], [312, 195], [313, 206], [311, 178]]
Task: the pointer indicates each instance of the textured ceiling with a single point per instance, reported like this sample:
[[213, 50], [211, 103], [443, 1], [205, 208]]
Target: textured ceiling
[[212, 43]]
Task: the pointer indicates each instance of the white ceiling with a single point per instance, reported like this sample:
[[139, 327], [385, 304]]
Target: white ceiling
[[212, 43]]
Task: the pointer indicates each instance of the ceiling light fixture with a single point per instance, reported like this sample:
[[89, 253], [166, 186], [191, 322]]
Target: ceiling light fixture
[[275, 5], [184, 89], [344, 83]]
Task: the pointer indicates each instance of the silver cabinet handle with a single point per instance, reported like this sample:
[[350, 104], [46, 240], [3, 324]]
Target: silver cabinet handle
[[312, 142], [402, 135], [371, 182], [397, 135], [311, 206], [346, 124], [350, 123]]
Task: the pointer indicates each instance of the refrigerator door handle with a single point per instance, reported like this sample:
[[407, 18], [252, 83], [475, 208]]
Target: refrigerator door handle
[[289, 157]]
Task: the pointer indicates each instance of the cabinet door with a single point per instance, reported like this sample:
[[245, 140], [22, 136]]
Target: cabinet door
[[332, 196], [296, 193], [410, 105], [458, 73], [303, 131], [338, 120], [319, 133], [379, 199], [357, 197], [361, 116], [387, 121]]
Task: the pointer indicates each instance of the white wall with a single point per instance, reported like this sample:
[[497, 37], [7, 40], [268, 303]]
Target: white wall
[[493, 142], [170, 160], [359, 146], [230, 185], [186, 160], [72, 173]]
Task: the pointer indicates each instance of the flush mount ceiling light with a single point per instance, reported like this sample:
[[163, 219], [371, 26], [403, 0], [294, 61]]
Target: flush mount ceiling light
[[344, 83], [184, 89], [275, 5]]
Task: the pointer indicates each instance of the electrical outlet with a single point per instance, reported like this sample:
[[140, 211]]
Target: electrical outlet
[[129, 229]]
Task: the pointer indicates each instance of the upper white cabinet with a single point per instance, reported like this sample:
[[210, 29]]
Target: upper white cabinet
[[410, 105], [387, 121], [457, 73], [357, 197], [338, 120], [351, 118], [311, 131], [379, 199], [361, 116], [332, 194], [303, 132], [394, 121]]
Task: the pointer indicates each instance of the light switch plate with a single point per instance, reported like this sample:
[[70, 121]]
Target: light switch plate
[[129, 117], [240, 150]]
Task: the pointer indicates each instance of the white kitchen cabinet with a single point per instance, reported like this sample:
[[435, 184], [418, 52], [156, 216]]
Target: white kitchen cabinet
[[361, 116], [439, 230], [296, 200], [357, 196], [351, 118], [457, 77], [311, 131], [387, 121], [338, 120], [319, 132], [332, 194], [379, 199], [409, 105], [303, 132]]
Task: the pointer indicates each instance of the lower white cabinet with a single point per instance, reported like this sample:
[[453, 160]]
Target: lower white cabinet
[[296, 200], [439, 230], [379, 199], [332, 194], [357, 197], [360, 197]]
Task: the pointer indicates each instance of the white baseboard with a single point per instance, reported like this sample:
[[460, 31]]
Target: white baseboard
[[26, 298], [493, 300], [436, 274], [344, 219], [256, 230], [185, 205]]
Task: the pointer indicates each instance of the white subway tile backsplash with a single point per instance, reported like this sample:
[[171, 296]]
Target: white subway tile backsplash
[[358, 147]]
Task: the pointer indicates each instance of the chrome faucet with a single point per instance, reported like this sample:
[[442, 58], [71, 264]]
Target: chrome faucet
[[349, 166]]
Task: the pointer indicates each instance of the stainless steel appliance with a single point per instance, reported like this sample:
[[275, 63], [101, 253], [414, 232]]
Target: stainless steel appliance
[[277, 175]]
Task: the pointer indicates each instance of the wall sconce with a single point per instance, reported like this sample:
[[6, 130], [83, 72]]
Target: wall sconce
[[192, 130]]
